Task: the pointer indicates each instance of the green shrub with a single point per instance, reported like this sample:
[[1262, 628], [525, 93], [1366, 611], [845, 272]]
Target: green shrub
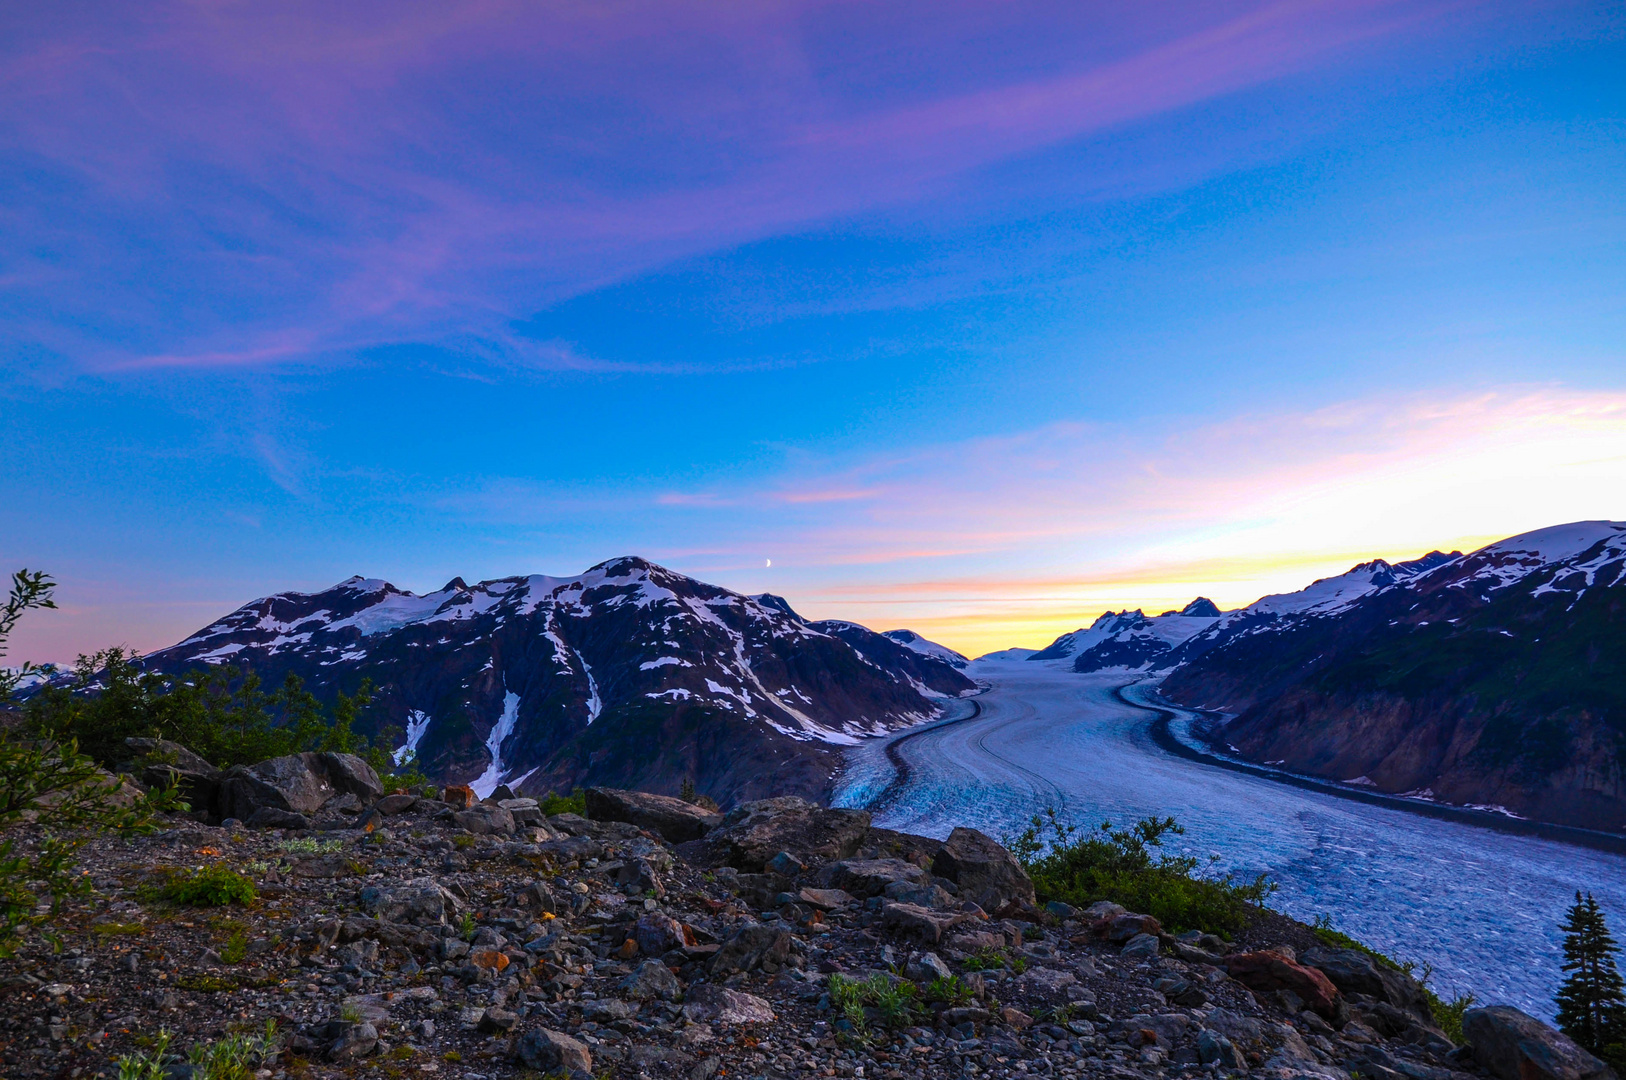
[[892, 1002], [1128, 867], [214, 885], [950, 990], [574, 803]]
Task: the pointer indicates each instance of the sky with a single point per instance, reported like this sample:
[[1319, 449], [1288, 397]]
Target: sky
[[975, 318]]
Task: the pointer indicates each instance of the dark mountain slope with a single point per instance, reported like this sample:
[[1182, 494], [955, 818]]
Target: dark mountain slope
[[629, 674], [1497, 678]]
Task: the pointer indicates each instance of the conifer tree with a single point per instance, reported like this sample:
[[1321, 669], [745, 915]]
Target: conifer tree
[[1592, 1001]]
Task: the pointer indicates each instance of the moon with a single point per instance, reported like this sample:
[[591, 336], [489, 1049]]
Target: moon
[[767, 563]]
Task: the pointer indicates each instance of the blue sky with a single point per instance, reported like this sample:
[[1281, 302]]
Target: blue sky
[[972, 318]]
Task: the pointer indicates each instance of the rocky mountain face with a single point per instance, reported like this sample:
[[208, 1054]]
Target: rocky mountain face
[[628, 674], [400, 935], [1131, 640], [1494, 679]]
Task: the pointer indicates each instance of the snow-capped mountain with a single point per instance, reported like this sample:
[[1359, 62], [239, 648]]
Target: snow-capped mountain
[[1493, 678], [628, 674], [911, 640], [1130, 639]]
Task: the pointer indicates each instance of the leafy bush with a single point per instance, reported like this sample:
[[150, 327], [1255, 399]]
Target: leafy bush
[[1128, 867], [574, 803], [233, 1058], [214, 885], [950, 990], [68, 800], [891, 1003]]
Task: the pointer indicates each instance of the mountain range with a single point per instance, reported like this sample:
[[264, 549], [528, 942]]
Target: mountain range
[[628, 675], [1495, 679]]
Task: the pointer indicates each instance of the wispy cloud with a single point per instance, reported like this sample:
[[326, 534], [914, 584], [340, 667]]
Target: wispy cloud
[[252, 186], [1031, 533]]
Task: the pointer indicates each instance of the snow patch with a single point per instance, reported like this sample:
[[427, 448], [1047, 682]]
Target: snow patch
[[487, 781]]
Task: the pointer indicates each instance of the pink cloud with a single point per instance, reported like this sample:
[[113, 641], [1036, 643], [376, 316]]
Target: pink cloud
[[431, 171]]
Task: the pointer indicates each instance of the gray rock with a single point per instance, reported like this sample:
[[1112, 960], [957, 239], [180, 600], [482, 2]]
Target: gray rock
[[1355, 972], [658, 934], [1212, 1047], [652, 981], [421, 901], [395, 804], [351, 1041], [497, 1021], [673, 819], [485, 819], [1141, 945], [546, 1050], [920, 924], [749, 947], [864, 878], [349, 773], [926, 967], [710, 1003], [986, 874], [269, 817], [1516, 1046], [1104, 909], [752, 834], [926, 896]]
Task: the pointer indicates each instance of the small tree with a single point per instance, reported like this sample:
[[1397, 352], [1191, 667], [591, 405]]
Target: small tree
[[1592, 1001], [28, 590], [52, 799]]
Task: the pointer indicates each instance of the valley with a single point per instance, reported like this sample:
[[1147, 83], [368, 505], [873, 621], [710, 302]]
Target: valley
[[1481, 908]]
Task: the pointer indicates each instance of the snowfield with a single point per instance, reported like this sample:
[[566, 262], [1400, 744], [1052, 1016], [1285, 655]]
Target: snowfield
[[1481, 907]]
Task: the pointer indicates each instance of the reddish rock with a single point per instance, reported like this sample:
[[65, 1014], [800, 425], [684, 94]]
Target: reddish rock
[[1269, 970], [458, 796]]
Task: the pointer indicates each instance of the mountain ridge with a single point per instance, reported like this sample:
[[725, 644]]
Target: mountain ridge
[[628, 673]]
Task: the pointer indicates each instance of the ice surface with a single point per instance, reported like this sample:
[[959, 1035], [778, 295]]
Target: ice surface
[[1481, 907]]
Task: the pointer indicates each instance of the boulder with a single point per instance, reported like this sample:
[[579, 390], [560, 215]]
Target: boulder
[[985, 873], [673, 819], [658, 934], [750, 947], [296, 783], [825, 899], [458, 796], [920, 924], [269, 817], [347, 772], [1516, 1046], [1354, 972], [485, 819], [864, 878], [1271, 969], [547, 1051], [710, 1003], [165, 764], [928, 967], [754, 833], [1125, 926], [421, 901], [652, 981], [1142, 946], [396, 804]]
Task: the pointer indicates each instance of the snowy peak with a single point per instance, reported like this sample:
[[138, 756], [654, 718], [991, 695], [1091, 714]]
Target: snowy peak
[[911, 640], [504, 680], [1130, 638]]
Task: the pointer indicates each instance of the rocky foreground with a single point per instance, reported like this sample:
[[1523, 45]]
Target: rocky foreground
[[398, 935]]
